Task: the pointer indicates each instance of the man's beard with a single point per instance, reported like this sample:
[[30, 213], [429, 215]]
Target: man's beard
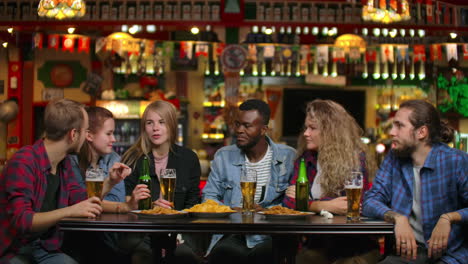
[[405, 151], [249, 144]]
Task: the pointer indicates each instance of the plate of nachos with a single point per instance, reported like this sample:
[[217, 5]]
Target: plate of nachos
[[159, 213], [210, 209], [280, 212]]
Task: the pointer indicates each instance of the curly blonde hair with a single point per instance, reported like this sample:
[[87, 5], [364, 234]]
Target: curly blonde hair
[[340, 147], [143, 144]]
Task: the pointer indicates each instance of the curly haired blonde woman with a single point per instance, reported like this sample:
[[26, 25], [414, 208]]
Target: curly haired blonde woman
[[331, 147]]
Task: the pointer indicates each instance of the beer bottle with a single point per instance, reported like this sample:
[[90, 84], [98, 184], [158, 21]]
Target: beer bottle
[[145, 178], [302, 188]]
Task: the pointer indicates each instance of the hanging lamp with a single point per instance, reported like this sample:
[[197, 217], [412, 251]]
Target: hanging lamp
[[61, 9]]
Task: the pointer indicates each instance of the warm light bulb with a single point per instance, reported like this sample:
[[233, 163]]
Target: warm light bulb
[[315, 31], [71, 30], [195, 30], [268, 31], [5, 44], [10, 30], [453, 35], [393, 32]]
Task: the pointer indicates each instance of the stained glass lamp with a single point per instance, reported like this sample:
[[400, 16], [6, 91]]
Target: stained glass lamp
[[61, 9]]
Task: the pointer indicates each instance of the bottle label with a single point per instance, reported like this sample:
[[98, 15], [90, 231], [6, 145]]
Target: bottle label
[[144, 177]]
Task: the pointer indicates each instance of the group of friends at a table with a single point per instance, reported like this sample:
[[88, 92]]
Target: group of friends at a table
[[421, 186]]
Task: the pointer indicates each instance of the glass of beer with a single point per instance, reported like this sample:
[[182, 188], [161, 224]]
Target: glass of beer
[[94, 181], [353, 188], [248, 183], [167, 182]]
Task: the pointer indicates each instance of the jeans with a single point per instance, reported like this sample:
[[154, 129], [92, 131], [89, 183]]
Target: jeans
[[233, 249], [34, 253], [421, 258]]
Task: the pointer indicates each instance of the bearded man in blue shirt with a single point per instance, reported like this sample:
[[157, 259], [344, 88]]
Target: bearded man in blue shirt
[[422, 187]]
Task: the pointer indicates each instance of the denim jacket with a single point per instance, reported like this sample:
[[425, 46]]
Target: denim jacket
[[117, 194], [223, 183]]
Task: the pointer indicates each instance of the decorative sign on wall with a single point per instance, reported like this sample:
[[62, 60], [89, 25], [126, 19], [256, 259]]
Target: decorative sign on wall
[[62, 74]]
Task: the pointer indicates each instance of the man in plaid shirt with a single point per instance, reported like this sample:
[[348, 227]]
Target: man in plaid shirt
[[38, 189], [422, 187]]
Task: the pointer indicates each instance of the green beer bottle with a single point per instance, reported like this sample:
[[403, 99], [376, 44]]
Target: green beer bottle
[[145, 178], [302, 188]]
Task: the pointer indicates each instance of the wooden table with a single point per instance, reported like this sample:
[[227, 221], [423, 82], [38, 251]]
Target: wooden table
[[233, 224]]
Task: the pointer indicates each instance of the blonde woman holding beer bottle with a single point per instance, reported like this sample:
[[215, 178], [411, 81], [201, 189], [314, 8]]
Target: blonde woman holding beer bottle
[[97, 156], [157, 143], [331, 147]]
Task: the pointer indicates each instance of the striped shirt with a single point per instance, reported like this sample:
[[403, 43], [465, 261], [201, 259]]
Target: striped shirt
[[263, 168]]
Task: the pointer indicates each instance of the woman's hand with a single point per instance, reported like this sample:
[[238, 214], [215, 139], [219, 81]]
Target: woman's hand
[[338, 206], [140, 192], [291, 191], [163, 203], [118, 172]]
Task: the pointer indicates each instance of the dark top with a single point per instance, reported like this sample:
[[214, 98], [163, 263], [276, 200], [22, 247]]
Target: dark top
[[187, 166], [50, 199]]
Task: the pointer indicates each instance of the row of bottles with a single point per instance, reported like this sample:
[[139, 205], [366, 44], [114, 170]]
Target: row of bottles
[[126, 132]]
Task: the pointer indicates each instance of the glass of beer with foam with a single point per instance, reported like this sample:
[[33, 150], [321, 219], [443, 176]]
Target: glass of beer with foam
[[353, 187], [167, 182], [248, 181], [94, 180]]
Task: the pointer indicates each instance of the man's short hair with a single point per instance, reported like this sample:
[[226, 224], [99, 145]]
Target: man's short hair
[[60, 117], [259, 105]]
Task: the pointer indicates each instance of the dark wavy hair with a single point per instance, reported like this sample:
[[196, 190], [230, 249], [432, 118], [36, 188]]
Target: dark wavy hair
[[424, 113]]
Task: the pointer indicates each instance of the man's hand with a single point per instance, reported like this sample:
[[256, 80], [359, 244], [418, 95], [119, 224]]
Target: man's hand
[[140, 192], [405, 241], [291, 191], [439, 237], [87, 208], [118, 172], [338, 206]]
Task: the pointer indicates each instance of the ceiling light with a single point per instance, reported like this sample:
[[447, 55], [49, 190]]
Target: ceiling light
[[421, 33], [150, 28], [195, 30], [365, 31], [133, 29], [315, 31], [60, 9]]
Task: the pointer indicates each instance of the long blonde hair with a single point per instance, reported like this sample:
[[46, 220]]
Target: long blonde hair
[[143, 145], [341, 146]]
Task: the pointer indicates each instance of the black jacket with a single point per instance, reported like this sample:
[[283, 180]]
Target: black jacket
[[187, 166]]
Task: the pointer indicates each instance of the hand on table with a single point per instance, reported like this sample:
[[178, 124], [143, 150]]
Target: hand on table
[[163, 203], [338, 206], [87, 208]]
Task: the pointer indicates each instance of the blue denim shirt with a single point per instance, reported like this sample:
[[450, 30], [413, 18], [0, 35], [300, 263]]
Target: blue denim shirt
[[117, 194], [223, 183]]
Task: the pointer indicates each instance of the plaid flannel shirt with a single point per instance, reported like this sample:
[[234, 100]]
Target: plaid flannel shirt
[[23, 184], [444, 189]]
